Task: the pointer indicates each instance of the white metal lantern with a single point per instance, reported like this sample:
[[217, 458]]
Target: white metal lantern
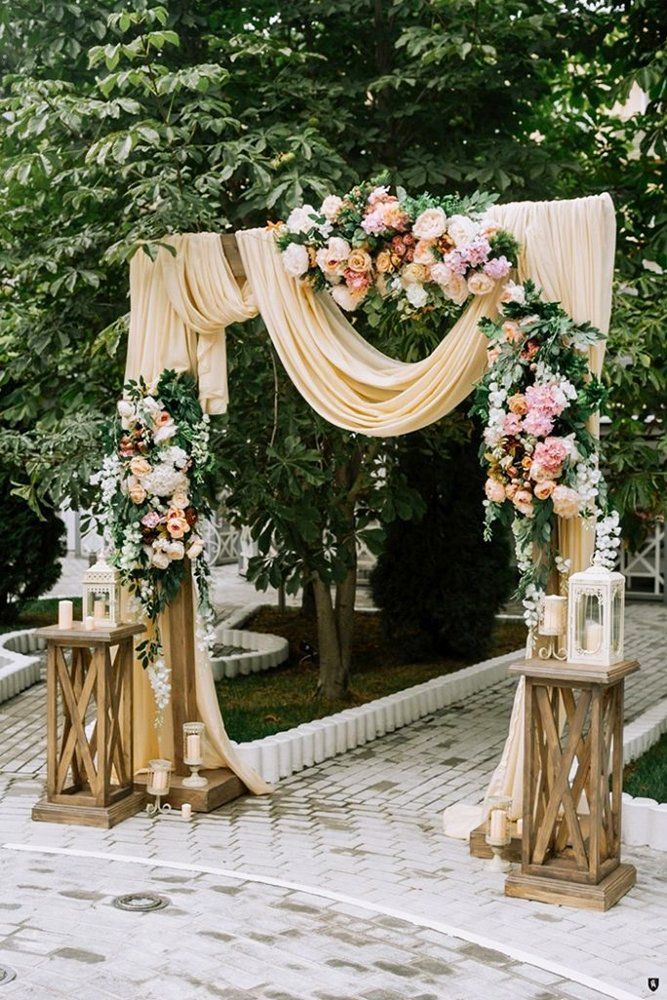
[[101, 593], [595, 616]]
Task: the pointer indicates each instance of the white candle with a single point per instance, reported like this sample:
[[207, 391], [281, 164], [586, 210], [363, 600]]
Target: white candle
[[65, 614], [193, 748], [592, 636], [186, 811], [519, 827], [498, 827], [98, 611], [89, 623], [159, 781], [554, 615]]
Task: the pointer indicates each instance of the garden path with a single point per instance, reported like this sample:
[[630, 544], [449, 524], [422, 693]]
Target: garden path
[[339, 886]]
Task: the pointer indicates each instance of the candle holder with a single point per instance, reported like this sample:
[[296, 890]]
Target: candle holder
[[193, 735], [553, 623], [498, 832], [159, 779]]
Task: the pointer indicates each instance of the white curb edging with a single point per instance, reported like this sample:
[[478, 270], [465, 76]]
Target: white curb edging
[[18, 670], [283, 754], [264, 652], [644, 821]]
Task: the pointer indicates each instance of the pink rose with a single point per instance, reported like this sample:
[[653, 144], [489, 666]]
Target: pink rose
[[567, 502], [494, 490]]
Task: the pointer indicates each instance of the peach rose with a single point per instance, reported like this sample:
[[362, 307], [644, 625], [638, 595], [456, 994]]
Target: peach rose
[[160, 559], [566, 501], [494, 490], [512, 331], [359, 261], [161, 418], [456, 289], [384, 262], [517, 404], [544, 489], [413, 273], [424, 252], [492, 354], [523, 501], [511, 491], [140, 467], [480, 283], [180, 500], [177, 527], [137, 493]]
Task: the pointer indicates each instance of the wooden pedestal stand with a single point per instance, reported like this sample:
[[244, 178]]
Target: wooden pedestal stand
[[567, 857], [89, 778], [223, 785]]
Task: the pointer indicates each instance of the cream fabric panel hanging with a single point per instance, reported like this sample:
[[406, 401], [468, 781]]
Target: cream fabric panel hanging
[[181, 305]]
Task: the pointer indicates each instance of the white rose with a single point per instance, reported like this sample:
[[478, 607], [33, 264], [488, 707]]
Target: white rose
[[152, 404], [300, 219], [164, 432], [462, 229], [416, 295], [160, 560], [125, 408], [331, 207], [175, 550], [456, 289], [430, 224], [440, 273], [480, 283], [195, 548], [295, 260], [331, 258], [344, 298]]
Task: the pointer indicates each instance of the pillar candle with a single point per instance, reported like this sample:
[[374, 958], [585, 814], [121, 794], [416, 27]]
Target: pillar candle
[[159, 781], [498, 827], [554, 615], [98, 611], [519, 828], [65, 614], [592, 636], [89, 623], [186, 811], [193, 747]]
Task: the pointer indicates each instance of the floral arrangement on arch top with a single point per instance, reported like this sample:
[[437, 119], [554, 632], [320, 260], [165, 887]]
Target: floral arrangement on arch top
[[372, 246]]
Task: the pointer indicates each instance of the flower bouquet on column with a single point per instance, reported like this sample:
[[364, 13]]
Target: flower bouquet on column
[[154, 491], [540, 458]]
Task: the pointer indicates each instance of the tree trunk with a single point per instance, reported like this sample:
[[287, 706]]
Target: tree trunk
[[308, 607], [333, 678]]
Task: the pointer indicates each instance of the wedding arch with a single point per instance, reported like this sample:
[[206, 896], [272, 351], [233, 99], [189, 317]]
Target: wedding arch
[[183, 301]]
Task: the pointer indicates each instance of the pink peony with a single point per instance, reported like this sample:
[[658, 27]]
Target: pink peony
[[494, 490], [550, 455], [566, 501], [512, 424], [497, 267], [538, 423]]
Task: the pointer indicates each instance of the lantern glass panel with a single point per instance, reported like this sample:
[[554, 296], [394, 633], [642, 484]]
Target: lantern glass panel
[[589, 622], [616, 621]]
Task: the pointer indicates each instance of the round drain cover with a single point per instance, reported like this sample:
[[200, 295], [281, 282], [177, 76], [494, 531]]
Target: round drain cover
[[140, 902], [6, 974]]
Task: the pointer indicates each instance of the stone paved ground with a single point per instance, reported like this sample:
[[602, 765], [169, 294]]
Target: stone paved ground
[[365, 826]]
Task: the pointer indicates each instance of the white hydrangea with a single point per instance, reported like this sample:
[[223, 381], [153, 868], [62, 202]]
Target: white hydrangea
[[176, 456], [164, 480]]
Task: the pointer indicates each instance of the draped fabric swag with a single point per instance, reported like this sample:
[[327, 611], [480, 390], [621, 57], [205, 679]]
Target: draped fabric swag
[[182, 303]]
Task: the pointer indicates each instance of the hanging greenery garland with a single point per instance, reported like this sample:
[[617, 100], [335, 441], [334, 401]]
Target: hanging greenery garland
[[371, 248], [154, 489], [541, 460]]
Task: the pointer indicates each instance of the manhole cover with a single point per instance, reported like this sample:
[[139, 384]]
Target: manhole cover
[[140, 902], [6, 974]]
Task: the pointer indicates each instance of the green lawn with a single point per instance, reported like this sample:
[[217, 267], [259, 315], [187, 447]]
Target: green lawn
[[647, 776], [35, 614], [262, 704]]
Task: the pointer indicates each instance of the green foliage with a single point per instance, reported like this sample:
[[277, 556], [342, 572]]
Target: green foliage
[[31, 548], [437, 582], [647, 776]]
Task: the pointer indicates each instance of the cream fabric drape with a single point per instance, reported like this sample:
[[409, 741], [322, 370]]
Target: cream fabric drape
[[568, 250], [181, 305], [343, 377]]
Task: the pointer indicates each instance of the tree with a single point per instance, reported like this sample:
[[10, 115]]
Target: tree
[[118, 126], [436, 576]]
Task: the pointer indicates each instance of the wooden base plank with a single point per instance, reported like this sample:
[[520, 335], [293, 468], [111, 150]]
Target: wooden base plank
[[223, 786], [103, 817], [598, 897], [480, 849]]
